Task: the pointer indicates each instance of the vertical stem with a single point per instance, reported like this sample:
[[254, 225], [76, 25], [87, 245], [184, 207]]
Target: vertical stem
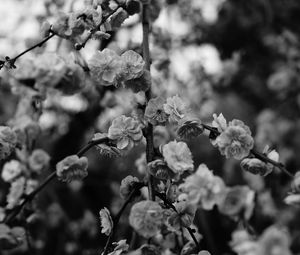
[[149, 130]]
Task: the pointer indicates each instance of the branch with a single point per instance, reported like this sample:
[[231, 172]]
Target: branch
[[255, 153], [50, 177]]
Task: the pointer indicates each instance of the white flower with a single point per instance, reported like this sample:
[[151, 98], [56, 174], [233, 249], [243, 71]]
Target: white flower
[[11, 170], [106, 221], [175, 108]]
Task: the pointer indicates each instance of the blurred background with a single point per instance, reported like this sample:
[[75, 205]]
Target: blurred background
[[239, 58]]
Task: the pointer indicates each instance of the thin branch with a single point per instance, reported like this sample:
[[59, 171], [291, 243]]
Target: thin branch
[[50, 177]]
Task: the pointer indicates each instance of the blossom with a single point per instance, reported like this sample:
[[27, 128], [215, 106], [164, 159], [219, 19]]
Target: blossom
[[159, 169], [31, 185], [116, 19], [11, 170], [127, 186], [292, 199], [126, 131], [154, 112], [142, 83], [11, 237], [133, 65], [189, 128], [203, 188], [72, 168], [178, 157], [296, 182], [105, 67], [119, 247], [219, 122], [274, 241], [243, 244], [106, 221], [256, 166], [8, 141], [183, 217], [237, 200], [141, 163], [104, 148], [175, 108], [38, 160], [16, 191], [146, 217], [236, 141]]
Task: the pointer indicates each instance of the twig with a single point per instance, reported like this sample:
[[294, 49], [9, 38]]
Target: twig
[[50, 177]]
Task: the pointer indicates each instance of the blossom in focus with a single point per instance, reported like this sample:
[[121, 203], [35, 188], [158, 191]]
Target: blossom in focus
[[106, 221], [183, 217], [133, 65], [175, 108], [127, 185], [105, 67], [236, 141], [154, 112], [256, 166], [38, 160], [237, 200], [219, 122], [8, 141], [160, 170], [72, 168], [203, 188], [11, 170], [105, 149], [126, 131], [178, 157], [146, 218], [274, 241], [189, 128]]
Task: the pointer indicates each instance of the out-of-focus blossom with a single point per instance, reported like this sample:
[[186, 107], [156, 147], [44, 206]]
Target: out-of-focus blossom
[[203, 188], [295, 185], [178, 157], [203, 252], [11, 237], [281, 79], [38, 160], [183, 217], [141, 164], [175, 108], [189, 128], [161, 136], [146, 218], [142, 83], [127, 185], [292, 199], [105, 67], [236, 141], [11, 170], [160, 170], [274, 241], [154, 112], [243, 244], [31, 185], [119, 247], [8, 141], [237, 200], [106, 221], [72, 168], [16, 191], [126, 131], [103, 148], [133, 65], [256, 166]]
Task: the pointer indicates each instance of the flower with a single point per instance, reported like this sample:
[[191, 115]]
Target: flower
[[8, 141], [11, 170], [72, 168], [127, 186], [274, 241], [105, 67], [203, 188], [117, 18], [237, 200], [159, 169], [11, 237], [175, 108], [133, 65], [296, 182], [38, 160], [126, 131], [104, 148], [119, 247], [146, 217], [243, 244], [292, 199], [189, 128], [219, 122], [106, 221], [16, 191], [178, 157], [236, 141], [183, 217], [154, 112], [256, 166]]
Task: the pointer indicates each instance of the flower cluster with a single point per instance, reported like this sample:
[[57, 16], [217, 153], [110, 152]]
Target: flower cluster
[[235, 139], [72, 168], [126, 132]]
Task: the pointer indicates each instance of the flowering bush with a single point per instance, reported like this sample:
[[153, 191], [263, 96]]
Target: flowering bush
[[151, 85]]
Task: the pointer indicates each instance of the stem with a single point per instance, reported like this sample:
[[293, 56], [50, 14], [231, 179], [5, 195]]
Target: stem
[[149, 129], [118, 216], [49, 178], [256, 154]]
